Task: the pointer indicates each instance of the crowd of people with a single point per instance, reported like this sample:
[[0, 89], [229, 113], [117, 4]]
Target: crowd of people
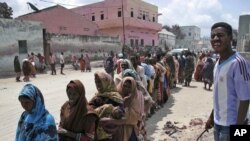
[[129, 91], [33, 63], [29, 67]]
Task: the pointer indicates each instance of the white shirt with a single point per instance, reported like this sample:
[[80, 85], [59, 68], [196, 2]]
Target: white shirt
[[61, 59]]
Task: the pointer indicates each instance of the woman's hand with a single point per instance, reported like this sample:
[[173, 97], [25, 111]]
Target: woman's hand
[[62, 131]]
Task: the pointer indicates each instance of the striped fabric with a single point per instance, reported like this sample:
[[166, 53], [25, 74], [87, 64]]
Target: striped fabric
[[231, 84]]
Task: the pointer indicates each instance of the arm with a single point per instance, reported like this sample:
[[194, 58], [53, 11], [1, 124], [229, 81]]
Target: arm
[[242, 88], [242, 112], [106, 124], [210, 121], [64, 132], [105, 121]]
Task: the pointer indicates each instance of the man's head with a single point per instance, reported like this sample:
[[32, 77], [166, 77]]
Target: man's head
[[133, 61], [221, 37]]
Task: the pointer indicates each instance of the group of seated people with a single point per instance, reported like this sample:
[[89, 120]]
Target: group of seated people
[[117, 112]]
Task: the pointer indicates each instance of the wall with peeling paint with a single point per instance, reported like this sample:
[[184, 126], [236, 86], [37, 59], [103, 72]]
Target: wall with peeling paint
[[97, 47], [12, 31]]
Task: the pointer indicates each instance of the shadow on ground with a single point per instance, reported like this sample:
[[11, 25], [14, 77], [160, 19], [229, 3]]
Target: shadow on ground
[[176, 90], [152, 123]]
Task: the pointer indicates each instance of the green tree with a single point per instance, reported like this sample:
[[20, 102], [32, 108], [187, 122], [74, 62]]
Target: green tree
[[5, 10], [176, 30], [167, 27]]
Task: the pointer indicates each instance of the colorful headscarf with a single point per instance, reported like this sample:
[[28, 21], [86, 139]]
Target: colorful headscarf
[[129, 72], [39, 124], [109, 87]]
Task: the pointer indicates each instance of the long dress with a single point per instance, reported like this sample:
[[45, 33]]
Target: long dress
[[207, 71], [134, 112], [198, 69], [87, 61], [82, 64], [189, 69]]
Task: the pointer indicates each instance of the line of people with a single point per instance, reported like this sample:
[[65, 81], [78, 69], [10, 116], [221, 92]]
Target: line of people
[[119, 108], [117, 111]]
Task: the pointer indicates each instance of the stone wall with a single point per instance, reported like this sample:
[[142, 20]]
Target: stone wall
[[12, 33], [97, 47]]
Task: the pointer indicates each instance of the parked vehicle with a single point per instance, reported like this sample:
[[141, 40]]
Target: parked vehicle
[[178, 51]]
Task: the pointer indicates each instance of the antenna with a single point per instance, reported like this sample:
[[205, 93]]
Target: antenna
[[33, 7]]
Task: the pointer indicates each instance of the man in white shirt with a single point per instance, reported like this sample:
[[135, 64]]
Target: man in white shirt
[[62, 62]]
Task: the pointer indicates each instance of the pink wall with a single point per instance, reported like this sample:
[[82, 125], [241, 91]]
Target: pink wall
[[112, 24], [60, 20]]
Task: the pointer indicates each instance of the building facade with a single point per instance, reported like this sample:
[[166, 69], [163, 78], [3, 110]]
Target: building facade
[[140, 20], [191, 32], [192, 39], [243, 41], [166, 39], [20, 38], [68, 32], [59, 20]]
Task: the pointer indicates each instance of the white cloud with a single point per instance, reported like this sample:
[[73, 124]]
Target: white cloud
[[202, 13], [245, 13], [229, 18]]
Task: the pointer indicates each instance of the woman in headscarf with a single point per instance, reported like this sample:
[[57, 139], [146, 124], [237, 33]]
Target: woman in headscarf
[[36, 123], [82, 63], [199, 66], [134, 109], [132, 123], [77, 122], [177, 65], [26, 70], [161, 76], [17, 68], [169, 62], [125, 64], [188, 69], [87, 60], [107, 103], [32, 58], [207, 73]]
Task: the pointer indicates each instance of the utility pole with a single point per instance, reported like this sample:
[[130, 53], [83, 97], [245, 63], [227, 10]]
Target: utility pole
[[123, 29]]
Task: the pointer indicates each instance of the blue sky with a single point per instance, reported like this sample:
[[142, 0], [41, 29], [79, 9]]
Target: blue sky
[[202, 13]]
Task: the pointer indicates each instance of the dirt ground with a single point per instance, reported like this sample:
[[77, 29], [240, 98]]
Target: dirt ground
[[183, 117]]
